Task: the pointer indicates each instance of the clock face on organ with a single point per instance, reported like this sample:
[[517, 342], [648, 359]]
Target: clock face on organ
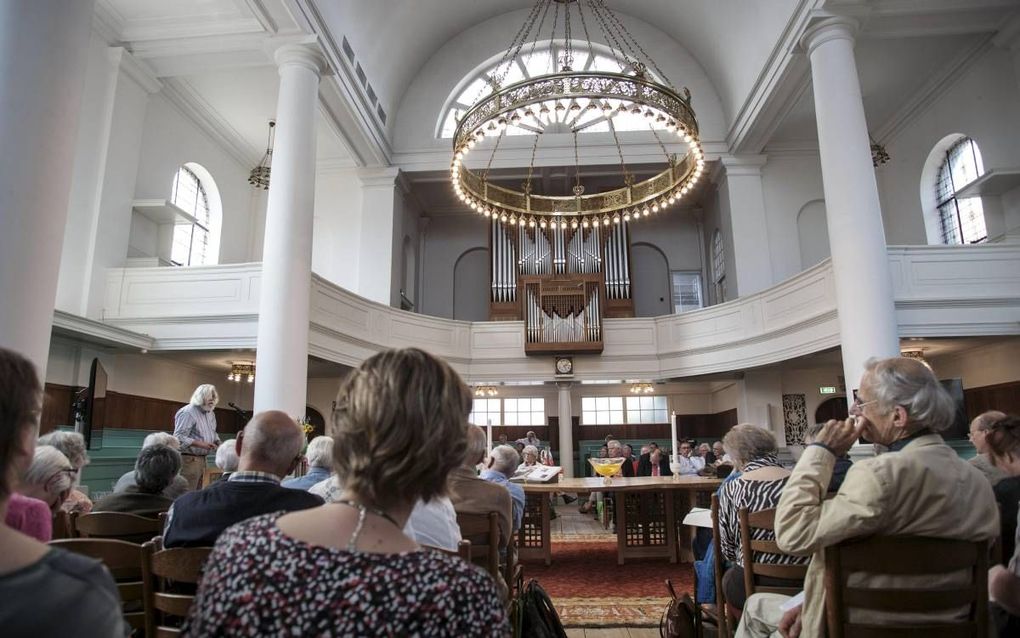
[[564, 365]]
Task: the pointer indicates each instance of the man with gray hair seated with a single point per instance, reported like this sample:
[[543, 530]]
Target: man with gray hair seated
[[502, 464], [179, 484], [155, 470], [269, 447], [320, 464], [920, 487]]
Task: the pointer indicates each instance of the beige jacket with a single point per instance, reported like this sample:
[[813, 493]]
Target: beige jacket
[[925, 489], [473, 495]]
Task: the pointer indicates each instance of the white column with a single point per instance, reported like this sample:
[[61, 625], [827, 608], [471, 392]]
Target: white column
[[282, 357], [566, 433], [761, 401], [864, 298], [43, 53], [378, 212], [742, 189]]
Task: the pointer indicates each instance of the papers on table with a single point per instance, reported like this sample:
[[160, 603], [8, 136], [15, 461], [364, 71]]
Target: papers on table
[[536, 474], [699, 517]]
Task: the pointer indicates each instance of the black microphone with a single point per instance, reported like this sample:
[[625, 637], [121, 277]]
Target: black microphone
[[244, 414]]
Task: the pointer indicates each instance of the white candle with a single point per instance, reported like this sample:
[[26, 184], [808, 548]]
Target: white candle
[[488, 433], [672, 427]]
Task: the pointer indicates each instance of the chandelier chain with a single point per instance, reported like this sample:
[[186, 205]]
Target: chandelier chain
[[492, 156], [511, 53], [552, 36], [623, 164], [627, 34], [614, 44], [538, 32], [659, 140], [577, 164], [531, 164], [568, 54], [584, 26]]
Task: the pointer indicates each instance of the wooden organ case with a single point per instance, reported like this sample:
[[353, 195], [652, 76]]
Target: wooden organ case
[[561, 281]]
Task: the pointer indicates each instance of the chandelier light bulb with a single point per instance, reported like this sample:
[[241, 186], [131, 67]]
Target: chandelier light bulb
[[531, 223], [503, 217], [646, 210], [573, 224], [605, 220], [616, 219], [584, 223], [626, 216], [655, 207]]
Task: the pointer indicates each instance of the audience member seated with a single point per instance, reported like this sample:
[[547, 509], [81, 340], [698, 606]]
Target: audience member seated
[[705, 451], [978, 434], [473, 495], [155, 470], [842, 465], [501, 465], [49, 478], [655, 464], [920, 487], [177, 487], [758, 487], [346, 568], [269, 447], [45, 591], [719, 451], [226, 458], [72, 446], [617, 450], [530, 439], [320, 464], [1002, 444], [529, 456], [690, 464]]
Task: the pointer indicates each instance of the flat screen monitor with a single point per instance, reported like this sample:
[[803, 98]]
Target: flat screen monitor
[[961, 426]]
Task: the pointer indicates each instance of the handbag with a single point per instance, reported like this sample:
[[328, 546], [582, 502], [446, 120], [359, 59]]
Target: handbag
[[682, 618]]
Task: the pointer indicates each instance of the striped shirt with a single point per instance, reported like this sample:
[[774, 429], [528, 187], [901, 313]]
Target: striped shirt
[[755, 496], [192, 423]]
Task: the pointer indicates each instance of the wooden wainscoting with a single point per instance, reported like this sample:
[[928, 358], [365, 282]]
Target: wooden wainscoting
[[126, 411], [1004, 397]]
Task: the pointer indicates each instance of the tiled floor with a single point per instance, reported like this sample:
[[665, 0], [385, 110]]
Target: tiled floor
[[614, 632]]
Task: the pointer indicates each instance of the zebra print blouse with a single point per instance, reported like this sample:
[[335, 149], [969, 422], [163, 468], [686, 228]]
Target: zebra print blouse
[[755, 496]]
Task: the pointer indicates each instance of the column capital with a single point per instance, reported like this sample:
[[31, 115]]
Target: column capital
[[564, 385], [743, 165], [828, 29], [379, 177], [301, 53]]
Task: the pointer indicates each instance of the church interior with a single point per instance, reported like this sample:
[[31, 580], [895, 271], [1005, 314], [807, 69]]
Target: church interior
[[681, 215]]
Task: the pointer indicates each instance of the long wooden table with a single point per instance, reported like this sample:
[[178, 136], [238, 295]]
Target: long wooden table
[[648, 510]]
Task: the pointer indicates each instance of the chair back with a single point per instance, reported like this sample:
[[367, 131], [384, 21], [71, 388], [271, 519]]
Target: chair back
[[722, 617], [62, 525], [116, 525], [124, 560], [483, 532], [160, 569], [754, 569], [930, 603]]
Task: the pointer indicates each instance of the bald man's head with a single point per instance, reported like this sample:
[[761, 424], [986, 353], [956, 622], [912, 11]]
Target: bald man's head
[[271, 442]]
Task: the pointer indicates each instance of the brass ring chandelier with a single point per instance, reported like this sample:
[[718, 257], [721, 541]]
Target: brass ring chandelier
[[534, 101]]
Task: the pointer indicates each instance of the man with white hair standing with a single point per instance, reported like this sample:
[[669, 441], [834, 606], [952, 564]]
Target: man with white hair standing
[[320, 464], [501, 466], [177, 487], [195, 428], [269, 447]]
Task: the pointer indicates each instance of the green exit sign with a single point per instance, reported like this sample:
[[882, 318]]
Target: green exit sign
[[827, 389]]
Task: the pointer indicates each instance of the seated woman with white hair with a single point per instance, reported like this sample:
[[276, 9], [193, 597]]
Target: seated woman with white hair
[[320, 464], [529, 456], [43, 488], [226, 458], [346, 568], [71, 445], [177, 487]]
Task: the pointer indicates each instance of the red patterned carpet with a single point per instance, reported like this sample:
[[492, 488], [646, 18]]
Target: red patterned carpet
[[589, 589]]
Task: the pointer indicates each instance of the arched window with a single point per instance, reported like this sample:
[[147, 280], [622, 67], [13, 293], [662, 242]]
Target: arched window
[[196, 236], [542, 61], [961, 221], [718, 267]]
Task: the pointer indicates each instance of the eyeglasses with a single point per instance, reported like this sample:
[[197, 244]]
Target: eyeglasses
[[860, 404]]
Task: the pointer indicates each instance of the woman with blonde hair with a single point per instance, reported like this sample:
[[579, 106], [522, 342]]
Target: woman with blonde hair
[[346, 568]]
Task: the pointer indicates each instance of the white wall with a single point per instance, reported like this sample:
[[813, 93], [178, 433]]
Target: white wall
[[990, 364], [715, 204], [789, 182], [169, 140], [983, 103], [336, 246], [448, 237]]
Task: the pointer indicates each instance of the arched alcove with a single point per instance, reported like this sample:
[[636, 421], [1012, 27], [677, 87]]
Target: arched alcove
[[813, 233], [650, 280], [471, 285]]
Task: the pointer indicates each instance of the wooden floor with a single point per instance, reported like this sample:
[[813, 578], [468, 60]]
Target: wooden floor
[[614, 632]]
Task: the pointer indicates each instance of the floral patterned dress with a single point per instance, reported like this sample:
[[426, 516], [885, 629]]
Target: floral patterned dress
[[260, 582]]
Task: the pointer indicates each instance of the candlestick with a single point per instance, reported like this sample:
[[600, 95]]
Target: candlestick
[[673, 441], [488, 434]]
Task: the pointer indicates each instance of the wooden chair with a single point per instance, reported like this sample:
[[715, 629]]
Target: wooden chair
[[719, 613], [124, 560], [483, 532], [115, 525], [754, 569], [907, 556], [62, 525], [211, 475], [177, 565]]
